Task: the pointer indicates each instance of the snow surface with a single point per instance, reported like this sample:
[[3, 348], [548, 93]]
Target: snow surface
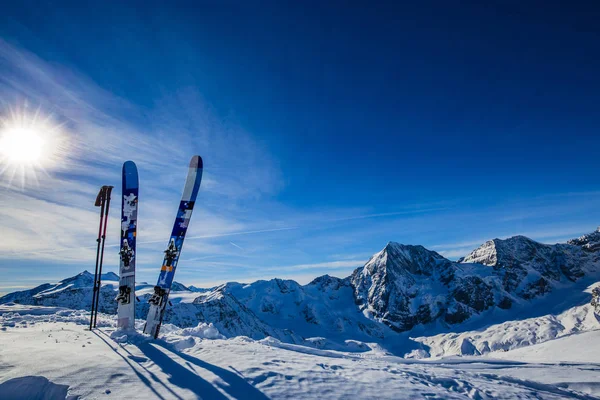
[[49, 349]]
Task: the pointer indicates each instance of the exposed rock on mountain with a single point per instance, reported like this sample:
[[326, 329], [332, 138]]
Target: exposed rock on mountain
[[589, 242], [529, 269], [403, 285]]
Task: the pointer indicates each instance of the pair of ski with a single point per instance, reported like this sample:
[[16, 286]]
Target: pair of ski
[[129, 210]]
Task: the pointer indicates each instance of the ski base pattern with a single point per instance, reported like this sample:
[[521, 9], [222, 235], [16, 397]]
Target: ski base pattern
[[126, 297], [159, 299]]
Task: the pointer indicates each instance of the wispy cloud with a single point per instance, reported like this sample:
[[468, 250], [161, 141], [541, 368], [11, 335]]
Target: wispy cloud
[[55, 220], [320, 265], [415, 211]]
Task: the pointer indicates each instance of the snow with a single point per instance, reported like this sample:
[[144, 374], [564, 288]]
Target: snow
[[574, 348], [33, 387], [49, 349]]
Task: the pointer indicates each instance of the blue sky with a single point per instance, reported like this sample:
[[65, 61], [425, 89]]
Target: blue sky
[[326, 131]]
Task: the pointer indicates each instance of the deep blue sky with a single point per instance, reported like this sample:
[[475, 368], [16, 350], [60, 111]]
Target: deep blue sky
[[373, 107]]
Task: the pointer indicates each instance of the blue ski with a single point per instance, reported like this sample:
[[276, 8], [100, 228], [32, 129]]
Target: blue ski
[[129, 210], [159, 299]]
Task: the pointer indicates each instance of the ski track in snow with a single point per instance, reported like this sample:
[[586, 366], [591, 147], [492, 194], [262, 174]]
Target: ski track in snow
[[50, 349]]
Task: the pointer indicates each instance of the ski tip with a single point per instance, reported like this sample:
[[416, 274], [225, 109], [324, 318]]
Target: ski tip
[[196, 162], [130, 175], [129, 167]]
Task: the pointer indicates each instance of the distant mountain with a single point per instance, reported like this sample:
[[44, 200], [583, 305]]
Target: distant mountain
[[178, 287], [323, 308], [75, 292], [530, 269], [400, 288], [197, 289], [589, 242]]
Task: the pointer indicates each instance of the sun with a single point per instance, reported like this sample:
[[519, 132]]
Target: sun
[[30, 143], [22, 145]]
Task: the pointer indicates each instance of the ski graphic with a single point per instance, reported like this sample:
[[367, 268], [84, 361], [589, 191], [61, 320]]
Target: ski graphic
[[159, 299], [129, 210]]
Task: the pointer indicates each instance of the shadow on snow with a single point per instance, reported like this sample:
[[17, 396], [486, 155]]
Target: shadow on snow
[[164, 356]]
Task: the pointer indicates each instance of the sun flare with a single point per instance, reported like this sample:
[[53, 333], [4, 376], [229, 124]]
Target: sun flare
[[29, 143]]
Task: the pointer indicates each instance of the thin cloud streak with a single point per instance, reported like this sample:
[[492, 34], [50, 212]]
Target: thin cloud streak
[[326, 265], [160, 241], [389, 214], [236, 246]]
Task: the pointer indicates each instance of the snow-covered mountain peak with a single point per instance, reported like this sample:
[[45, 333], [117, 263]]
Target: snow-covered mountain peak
[[193, 288], [484, 254], [396, 258], [389, 287], [81, 277], [328, 283], [110, 276], [588, 242], [178, 287], [275, 286], [86, 279], [502, 252]]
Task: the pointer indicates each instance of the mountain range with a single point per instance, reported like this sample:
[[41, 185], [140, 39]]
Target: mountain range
[[400, 291]]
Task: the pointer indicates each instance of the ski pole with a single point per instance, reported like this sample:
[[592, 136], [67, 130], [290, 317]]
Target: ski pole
[[100, 201], [108, 191]]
